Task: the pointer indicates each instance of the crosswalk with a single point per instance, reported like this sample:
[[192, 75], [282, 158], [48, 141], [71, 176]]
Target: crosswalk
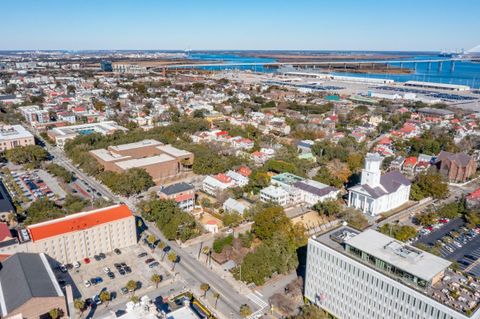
[[256, 297]]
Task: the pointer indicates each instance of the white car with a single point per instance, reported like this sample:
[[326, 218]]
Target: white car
[[106, 270], [76, 264], [87, 283]]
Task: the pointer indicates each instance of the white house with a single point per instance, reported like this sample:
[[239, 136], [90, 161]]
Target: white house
[[312, 192], [220, 182], [378, 193], [233, 205], [275, 194]]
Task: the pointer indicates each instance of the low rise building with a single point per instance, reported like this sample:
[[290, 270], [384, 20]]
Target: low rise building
[[34, 114], [60, 135], [212, 185], [313, 192], [159, 160], [275, 194], [12, 136], [182, 193], [28, 287]]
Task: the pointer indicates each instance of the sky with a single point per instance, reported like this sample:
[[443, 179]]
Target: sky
[[409, 25]]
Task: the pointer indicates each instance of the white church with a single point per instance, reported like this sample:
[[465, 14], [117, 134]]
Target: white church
[[378, 193]]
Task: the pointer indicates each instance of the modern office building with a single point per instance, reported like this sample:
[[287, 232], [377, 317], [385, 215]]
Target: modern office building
[[378, 193], [159, 160], [368, 275], [62, 134], [77, 236], [12, 136], [28, 287]]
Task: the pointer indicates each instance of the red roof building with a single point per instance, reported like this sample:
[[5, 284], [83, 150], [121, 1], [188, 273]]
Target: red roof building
[[78, 222]]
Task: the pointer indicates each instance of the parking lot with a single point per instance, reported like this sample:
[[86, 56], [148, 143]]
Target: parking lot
[[139, 271], [458, 244]]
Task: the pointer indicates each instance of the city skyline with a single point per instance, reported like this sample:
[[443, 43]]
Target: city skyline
[[216, 25]]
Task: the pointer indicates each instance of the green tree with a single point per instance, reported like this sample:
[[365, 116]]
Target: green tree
[[245, 310], [310, 311], [173, 258], [205, 288], [269, 221], [79, 304], [131, 286], [134, 299], [151, 240], [402, 233], [429, 184], [156, 279], [216, 295], [328, 207], [42, 210], [231, 219], [426, 218], [257, 181], [473, 218], [105, 297], [32, 155], [221, 242], [55, 313], [60, 171], [161, 245]]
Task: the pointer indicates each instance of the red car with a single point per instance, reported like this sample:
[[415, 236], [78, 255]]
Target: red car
[[430, 228], [443, 221], [86, 260]]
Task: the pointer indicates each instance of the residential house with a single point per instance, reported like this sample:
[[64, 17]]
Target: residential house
[[182, 193]]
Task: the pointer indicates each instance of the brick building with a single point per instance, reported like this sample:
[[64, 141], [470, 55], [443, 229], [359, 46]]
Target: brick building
[[457, 167], [159, 160]]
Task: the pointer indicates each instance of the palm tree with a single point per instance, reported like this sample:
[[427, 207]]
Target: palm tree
[[105, 297], [161, 245], [55, 313], [134, 299], [204, 287], [79, 304], [156, 279], [245, 310], [172, 257], [151, 240], [131, 286], [207, 251], [216, 295]]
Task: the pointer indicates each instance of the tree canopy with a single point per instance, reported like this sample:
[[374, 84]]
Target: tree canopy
[[32, 155]]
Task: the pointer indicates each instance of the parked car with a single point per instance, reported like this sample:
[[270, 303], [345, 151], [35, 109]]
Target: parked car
[[142, 255], [102, 256], [63, 268], [155, 264], [86, 260], [124, 290], [127, 269], [149, 260], [76, 264], [117, 251], [106, 270], [87, 283], [111, 275]]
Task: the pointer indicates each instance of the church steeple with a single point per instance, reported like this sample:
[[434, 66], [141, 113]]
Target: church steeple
[[371, 173]]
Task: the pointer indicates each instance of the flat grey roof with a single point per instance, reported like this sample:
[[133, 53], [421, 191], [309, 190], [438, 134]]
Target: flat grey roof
[[405, 257], [141, 162], [140, 144]]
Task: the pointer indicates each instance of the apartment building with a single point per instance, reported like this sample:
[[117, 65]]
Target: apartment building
[[212, 185], [159, 160], [12, 136], [368, 275], [275, 194], [33, 114], [77, 236]]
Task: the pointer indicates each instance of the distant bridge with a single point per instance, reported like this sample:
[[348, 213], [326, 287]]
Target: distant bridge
[[320, 63]]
